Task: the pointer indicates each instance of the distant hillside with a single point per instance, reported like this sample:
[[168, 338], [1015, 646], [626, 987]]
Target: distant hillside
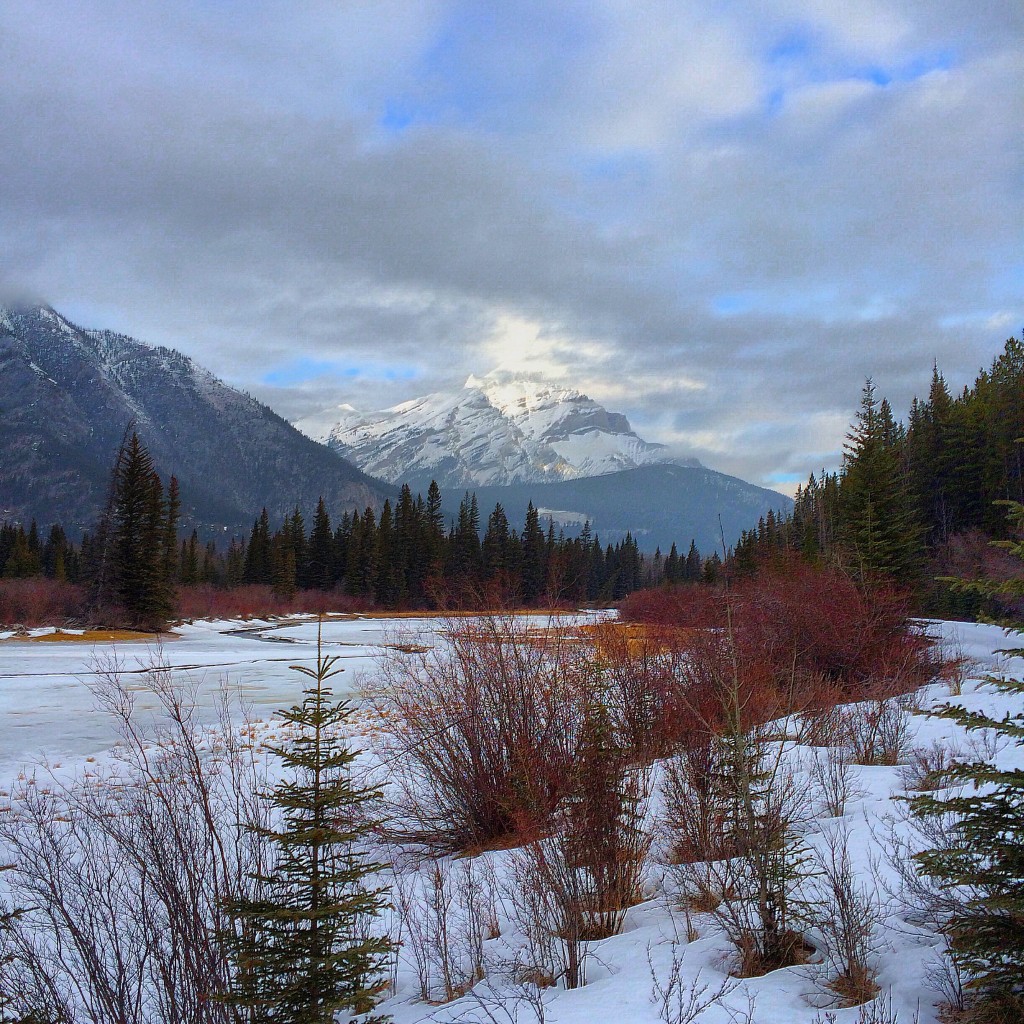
[[658, 504], [67, 395]]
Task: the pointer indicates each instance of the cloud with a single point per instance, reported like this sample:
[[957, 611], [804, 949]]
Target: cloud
[[718, 220]]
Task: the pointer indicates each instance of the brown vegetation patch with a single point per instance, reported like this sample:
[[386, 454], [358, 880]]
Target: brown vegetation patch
[[855, 987], [95, 636]]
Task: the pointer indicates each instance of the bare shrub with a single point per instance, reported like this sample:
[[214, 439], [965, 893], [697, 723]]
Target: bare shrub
[[639, 669], [923, 899], [877, 731], [927, 767], [683, 1000], [835, 779], [878, 1011], [946, 978], [39, 601], [258, 601], [847, 913], [696, 806], [986, 744], [447, 911], [124, 874], [741, 858], [573, 887], [806, 624], [502, 999], [483, 731], [956, 667]]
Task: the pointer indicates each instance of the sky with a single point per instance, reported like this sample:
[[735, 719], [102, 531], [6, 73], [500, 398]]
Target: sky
[[716, 217]]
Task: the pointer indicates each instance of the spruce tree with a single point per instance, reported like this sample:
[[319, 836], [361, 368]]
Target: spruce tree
[[321, 550], [881, 528], [139, 531], [303, 949], [986, 857]]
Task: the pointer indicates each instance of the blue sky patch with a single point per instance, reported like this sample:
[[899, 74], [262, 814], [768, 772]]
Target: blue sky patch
[[304, 369]]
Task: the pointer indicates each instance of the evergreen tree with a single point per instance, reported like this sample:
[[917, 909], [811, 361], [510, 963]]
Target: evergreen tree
[[693, 563], [321, 550], [189, 571], [303, 948], [139, 527], [257, 555], [386, 583], [673, 572], [495, 547], [986, 857], [534, 567], [881, 529], [170, 539]]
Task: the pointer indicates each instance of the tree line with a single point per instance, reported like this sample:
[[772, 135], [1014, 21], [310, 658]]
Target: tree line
[[404, 556], [912, 497]]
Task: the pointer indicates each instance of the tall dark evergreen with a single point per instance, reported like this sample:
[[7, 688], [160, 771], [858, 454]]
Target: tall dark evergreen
[[138, 533], [306, 949], [985, 858], [320, 562], [534, 567], [257, 554], [881, 531]]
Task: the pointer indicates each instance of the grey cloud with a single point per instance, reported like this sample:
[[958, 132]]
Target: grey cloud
[[226, 191]]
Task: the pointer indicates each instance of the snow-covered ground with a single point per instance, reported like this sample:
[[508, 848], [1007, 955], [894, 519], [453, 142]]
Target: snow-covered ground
[[623, 968], [46, 709]]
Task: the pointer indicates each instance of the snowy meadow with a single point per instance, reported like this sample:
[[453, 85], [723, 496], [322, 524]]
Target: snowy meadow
[[494, 915]]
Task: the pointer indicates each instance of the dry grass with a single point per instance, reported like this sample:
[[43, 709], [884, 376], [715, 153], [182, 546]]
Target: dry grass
[[858, 986], [93, 636]]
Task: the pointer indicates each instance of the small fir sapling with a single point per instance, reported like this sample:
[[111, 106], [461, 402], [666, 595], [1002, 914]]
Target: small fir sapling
[[302, 946]]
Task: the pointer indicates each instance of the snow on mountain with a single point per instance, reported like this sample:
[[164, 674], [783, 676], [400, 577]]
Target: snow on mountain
[[69, 394], [498, 429]]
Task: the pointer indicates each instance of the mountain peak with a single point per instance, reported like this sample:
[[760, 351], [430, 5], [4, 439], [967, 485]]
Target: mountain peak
[[500, 428]]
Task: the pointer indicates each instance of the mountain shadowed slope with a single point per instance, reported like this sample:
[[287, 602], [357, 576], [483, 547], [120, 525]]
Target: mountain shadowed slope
[[67, 395], [658, 505]]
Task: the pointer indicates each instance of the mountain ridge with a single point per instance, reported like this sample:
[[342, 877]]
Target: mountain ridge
[[659, 504], [497, 429], [70, 393]]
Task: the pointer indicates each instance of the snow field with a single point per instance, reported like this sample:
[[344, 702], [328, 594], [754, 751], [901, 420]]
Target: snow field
[[483, 918]]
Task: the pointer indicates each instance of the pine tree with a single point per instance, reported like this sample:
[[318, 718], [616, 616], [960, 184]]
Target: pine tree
[[138, 531], [257, 555], [303, 948], [881, 529], [321, 550], [534, 566], [693, 563], [986, 858]]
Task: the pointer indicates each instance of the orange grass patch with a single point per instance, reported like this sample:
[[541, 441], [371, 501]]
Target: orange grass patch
[[96, 636]]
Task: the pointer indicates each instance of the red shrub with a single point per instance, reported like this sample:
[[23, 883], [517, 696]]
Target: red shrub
[[39, 601], [804, 636], [207, 602], [694, 606], [814, 626]]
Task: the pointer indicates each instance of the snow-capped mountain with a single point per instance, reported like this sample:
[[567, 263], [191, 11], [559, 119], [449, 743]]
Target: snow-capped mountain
[[67, 395], [498, 429]]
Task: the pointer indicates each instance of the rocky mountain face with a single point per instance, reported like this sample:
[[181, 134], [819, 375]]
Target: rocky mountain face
[[67, 395], [497, 430]]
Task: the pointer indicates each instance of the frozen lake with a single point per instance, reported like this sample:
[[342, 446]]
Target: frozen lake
[[47, 708]]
